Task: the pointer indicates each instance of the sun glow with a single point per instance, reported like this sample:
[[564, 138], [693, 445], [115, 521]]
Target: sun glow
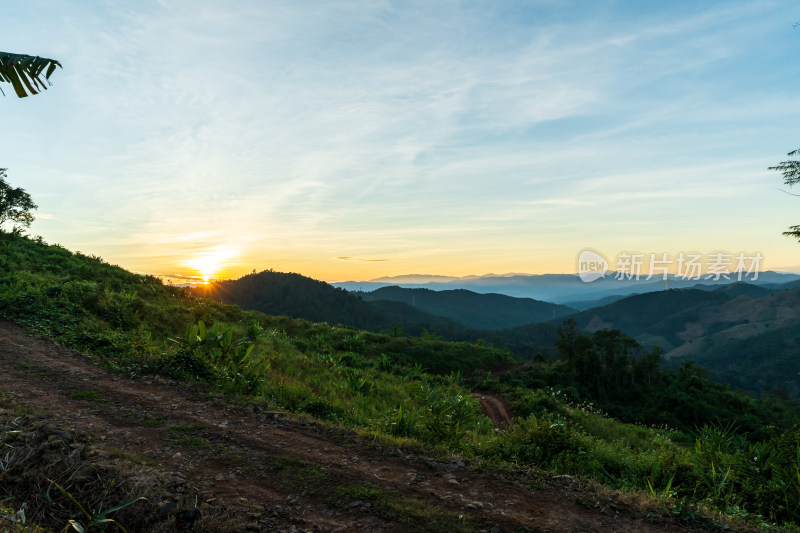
[[208, 263]]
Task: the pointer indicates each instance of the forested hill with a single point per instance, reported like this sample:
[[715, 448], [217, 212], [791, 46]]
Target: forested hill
[[745, 335], [297, 296], [478, 311], [653, 313]]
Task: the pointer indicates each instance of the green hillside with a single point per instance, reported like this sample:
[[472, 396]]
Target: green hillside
[[652, 312], [702, 451], [471, 309], [743, 334], [762, 362], [297, 296]]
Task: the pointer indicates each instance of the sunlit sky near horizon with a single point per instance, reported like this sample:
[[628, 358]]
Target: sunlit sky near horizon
[[359, 139]]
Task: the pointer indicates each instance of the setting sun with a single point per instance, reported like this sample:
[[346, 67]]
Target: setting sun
[[208, 263]]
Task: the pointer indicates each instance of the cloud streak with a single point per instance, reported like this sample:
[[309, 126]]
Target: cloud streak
[[360, 259]]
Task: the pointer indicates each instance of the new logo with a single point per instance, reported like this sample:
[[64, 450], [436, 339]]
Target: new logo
[[591, 266]]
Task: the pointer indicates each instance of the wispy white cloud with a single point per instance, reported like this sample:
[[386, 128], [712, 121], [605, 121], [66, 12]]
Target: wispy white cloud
[[360, 259]]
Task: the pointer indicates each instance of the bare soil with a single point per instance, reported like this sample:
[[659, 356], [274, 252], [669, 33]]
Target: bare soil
[[276, 473], [496, 409]]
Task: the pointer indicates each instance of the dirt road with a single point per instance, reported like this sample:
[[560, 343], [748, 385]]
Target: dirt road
[[495, 408], [291, 475]]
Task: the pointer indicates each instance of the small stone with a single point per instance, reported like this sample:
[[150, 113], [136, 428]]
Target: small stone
[[186, 519], [63, 435], [167, 508]]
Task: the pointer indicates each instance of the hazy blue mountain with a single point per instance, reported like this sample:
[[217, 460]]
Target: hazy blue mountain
[[588, 304], [478, 311], [783, 286], [558, 288]]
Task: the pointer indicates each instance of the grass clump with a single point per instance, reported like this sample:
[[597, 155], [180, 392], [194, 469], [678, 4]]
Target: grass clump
[[88, 395], [414, 514], [187, 436], [300, 475]]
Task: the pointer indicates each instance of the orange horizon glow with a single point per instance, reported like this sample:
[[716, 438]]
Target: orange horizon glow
[[207, 264], [207, 269], [199, 264]]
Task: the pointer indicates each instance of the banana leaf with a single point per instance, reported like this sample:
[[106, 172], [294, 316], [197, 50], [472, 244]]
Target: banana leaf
[[27, 74]]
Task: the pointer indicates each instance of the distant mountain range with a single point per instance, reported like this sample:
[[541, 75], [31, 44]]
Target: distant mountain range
[[470, 309], [566, 289], [452, 315]]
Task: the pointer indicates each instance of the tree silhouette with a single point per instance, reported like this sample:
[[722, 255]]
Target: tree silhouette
[[15, 205], [791, 176], [27, 74]]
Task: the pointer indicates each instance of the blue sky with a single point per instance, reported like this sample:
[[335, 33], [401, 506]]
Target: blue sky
[[351, 140]]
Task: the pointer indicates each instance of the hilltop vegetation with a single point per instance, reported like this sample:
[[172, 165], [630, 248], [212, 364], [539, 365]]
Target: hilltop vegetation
[[416, 393], [615, 373]]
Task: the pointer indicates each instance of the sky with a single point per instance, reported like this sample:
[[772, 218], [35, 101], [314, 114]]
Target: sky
[[349, 140]]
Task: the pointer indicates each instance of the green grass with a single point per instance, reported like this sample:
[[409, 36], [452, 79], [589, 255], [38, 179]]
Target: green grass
[[415, 515], [88, 395], [299, 475], [187, 436], [193, 442], [156, 422]]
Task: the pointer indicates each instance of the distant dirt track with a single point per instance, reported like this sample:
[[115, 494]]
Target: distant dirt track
[[495, 408]]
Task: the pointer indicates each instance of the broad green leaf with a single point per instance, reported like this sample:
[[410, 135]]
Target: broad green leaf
[[24, 72]]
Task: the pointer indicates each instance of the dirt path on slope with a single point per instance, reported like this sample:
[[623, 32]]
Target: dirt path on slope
[[516, 368], [495, 408], [263, 463]]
